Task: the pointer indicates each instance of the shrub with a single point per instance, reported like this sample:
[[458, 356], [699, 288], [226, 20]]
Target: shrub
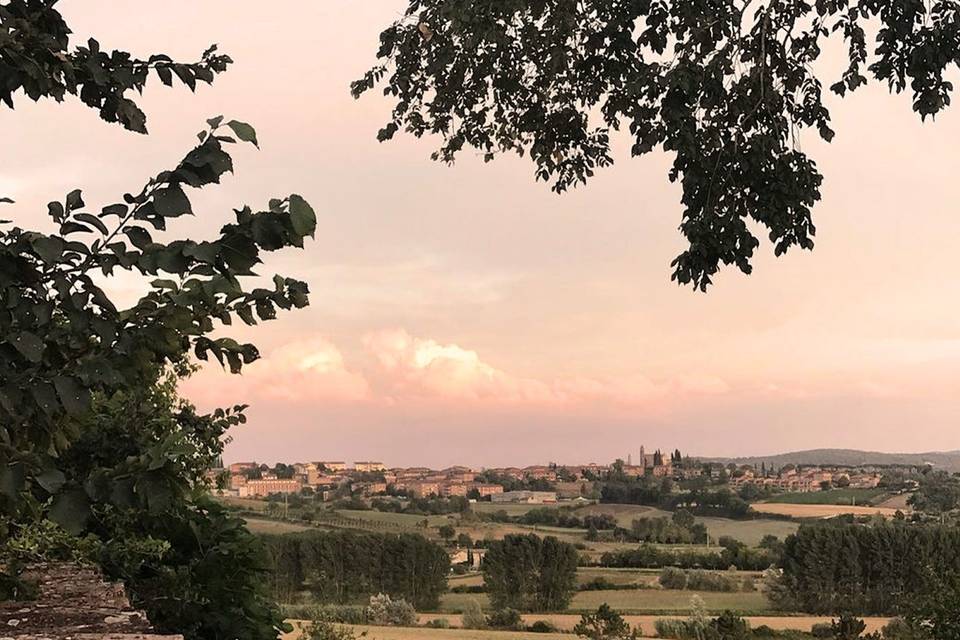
[[847, 627], [822, 630], [505, 619], [542, 626], [472, 616], [325, 630], [670, 628], [729, 626], [438, 623], [385, 611], [605, 624], [900, 629], [672, 578]]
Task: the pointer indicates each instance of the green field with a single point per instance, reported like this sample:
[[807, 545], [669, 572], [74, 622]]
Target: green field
[[262, 525], [865, 497], [636, 601], [509, 509], [405, 520]]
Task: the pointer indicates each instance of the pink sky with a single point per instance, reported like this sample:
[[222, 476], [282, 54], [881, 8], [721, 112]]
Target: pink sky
[[468, 315]]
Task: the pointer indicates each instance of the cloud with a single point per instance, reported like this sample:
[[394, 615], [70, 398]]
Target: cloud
[[305, 371], [423, 367], [402, 369]]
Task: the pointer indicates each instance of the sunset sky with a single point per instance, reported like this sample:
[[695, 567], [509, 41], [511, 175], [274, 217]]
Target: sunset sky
[[468, 315]]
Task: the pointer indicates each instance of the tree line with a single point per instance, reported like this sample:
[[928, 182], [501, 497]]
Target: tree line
[[346, 566], [865, 569], [732, 554], [703, 502]]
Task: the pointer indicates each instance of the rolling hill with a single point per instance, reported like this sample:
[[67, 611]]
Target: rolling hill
[[946, 460]]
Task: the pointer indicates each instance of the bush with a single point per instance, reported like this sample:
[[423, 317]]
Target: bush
[[900, 629], [438, 623], [670, 628], [699, 580], [341, 614], [505, 619], [469, 588], [472, 616], [729, 626], [324, 630], [822, 630], [385, 611], [542, 626], [672, 578], [847, 627]]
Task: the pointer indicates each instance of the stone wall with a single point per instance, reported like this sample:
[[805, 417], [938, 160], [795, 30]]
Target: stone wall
[[75, 603]]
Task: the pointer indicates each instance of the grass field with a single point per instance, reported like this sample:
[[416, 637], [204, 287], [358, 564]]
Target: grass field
[[509, 509], [402, 519], [863, 497], [244, 503], [636, 601], [820, 510], [262, 525]]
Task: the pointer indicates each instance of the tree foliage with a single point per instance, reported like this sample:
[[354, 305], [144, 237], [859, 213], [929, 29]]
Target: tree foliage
[[726, 87], [100, 460], [342, 566], [605, 624], [36, 59], [863, 569], [530, 573]]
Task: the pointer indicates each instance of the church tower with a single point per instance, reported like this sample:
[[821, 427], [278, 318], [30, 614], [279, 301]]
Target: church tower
[[643, 457]]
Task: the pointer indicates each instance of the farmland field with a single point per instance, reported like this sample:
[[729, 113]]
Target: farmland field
[[249, 504], [262, 525], [820, 510], [864, 497], [416, 633], [636, 600], [398, 519], [508, 508], [566, 621]]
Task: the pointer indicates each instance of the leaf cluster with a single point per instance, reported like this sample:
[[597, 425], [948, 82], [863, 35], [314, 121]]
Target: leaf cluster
[[723, 86]]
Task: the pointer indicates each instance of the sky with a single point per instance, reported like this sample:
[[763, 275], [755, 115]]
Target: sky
[[467, 315]]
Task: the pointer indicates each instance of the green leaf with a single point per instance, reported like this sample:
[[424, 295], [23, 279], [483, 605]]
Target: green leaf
[[74, 396], [49, 248], [302, 216], [118, 210], [71, 510], [92, 220], [244, 131], [11, 479], [74, 200], [139, 236], [52, 480], [29, 345], [171, 202], [55, 209]]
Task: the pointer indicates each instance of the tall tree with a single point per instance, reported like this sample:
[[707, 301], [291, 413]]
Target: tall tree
[[726, 87], [530, 573], [99, 458]]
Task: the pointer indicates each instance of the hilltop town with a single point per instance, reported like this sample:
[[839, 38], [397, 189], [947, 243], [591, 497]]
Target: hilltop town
[[535, 484]]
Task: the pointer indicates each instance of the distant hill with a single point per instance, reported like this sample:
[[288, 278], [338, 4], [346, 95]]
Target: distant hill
[[946, 460]]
